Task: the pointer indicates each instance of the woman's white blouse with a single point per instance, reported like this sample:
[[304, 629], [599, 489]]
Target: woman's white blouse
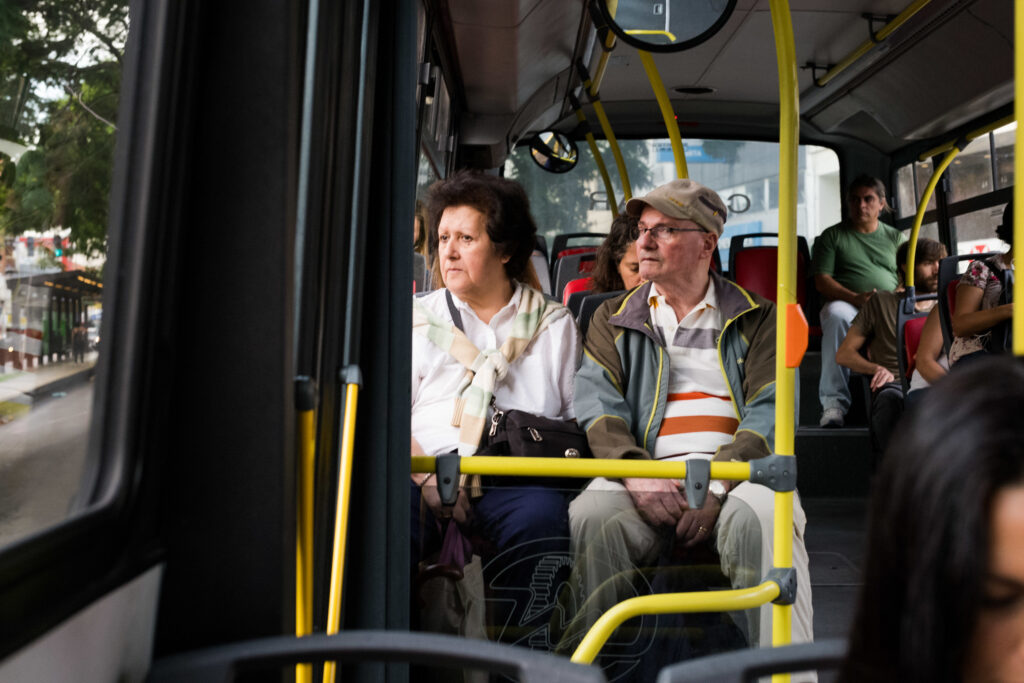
[[540, 381]]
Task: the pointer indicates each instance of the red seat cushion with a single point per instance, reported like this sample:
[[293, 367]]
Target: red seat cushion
[[575, 250], [578, 285], [911, 339]]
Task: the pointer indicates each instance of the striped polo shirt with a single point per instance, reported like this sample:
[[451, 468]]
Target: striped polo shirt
[[699, 413]]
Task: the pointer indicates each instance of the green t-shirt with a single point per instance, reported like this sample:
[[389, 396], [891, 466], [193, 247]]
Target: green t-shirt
[[877, 321], [858, 261]]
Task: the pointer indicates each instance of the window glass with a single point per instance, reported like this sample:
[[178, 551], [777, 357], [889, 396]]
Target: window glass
[[923, 174], [906, 199], [60, 73], [1004, 139], [976, 231], [970, 174], [744, 173]]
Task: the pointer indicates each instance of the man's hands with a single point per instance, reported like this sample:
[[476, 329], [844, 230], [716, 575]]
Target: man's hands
[[661, 503], [860, 299], [881, 378]]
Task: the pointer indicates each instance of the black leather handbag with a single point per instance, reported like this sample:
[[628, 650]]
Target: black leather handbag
[[521, 434]]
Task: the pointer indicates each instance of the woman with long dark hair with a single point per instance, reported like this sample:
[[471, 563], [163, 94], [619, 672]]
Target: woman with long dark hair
[[617, 266], [943, 593]]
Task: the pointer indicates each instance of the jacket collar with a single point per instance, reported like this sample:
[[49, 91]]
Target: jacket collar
[[634, 313]]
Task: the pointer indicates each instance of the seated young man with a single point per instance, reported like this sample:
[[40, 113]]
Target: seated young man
[[874, 331]]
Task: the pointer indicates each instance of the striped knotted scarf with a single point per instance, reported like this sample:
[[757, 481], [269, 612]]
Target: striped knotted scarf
[[484, 369]]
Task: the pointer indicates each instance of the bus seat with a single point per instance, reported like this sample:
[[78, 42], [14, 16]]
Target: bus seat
[[570, 268], [756, 267], [419, 273], [908, 336], [579, 285], [542, 245], [948, 278], [561, 242], [540, 266], [589, 305]]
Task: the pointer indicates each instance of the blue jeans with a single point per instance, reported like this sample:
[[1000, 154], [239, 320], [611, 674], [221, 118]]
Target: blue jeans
[[834, 385]]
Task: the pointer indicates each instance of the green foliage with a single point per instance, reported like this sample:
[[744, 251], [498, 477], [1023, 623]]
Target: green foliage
[[69, 53]]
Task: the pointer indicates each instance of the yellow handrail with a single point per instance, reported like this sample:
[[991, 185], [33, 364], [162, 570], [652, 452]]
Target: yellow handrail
[[866, 46], [348, 435], [1018, 169], [670, 603], [606, 128], [977, 133], [585, 468], [921, 207], [599, 160], [304, 537], [785, 373], [652, 32], [671, 124]]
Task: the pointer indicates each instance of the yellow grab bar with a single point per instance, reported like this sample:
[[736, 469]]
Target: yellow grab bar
[[341, 518], [598, 159], [1018, 169], [652, 32], [671, 124], [670, 603], [304, 535], [584, 468], [866, 46], [921, 206], [785, 377], [977, 133], [606, 128]]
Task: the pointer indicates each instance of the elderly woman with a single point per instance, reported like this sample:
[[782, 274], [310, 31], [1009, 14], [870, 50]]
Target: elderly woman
[[617, 266], [485, 342], [943, 591]]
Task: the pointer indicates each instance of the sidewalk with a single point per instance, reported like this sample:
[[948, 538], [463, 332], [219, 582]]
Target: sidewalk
[[21, 386]]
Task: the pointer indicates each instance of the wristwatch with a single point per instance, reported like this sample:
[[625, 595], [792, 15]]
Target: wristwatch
[[717, 489]]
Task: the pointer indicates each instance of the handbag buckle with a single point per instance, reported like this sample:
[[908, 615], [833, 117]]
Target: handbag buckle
[[495, 420], [572, 453], [534, 434]]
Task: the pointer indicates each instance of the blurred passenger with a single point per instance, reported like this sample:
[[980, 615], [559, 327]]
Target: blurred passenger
[[979, 316], [681, 368], [487, 342], [874, 331], [852, 261], [421, 254], [943, 592], [617, 267]]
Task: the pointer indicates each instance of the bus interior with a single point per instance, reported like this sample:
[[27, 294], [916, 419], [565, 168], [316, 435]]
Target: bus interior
[[239, 181]]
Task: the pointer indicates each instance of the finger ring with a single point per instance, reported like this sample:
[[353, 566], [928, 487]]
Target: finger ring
[[702, 530]]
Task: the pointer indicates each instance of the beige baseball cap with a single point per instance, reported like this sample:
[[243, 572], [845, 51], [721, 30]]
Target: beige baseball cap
[[684, 199]]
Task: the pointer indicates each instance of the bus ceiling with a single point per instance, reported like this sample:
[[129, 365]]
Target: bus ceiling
[[515, 63]]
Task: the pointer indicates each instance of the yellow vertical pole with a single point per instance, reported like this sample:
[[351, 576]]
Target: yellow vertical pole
[[341, 519], [671, 124], [1018, 173], [922, 206], [304, 538], [598, 159], [606, 128], [785, 377]]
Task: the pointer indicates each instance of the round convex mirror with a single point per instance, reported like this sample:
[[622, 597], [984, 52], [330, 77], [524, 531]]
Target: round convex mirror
[[665, 26], [553, 151]]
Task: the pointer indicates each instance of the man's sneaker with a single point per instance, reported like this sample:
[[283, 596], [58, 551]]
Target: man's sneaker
[[831, 417]]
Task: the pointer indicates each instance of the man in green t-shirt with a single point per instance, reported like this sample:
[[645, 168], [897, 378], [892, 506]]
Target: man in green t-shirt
[[852, 261], [875, 328]]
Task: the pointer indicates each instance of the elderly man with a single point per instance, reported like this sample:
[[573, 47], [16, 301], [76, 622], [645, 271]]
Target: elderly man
[[852, 261], [874, 330], [682, 367]]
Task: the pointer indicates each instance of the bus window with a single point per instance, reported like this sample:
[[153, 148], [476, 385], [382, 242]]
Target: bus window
[[970, 174], [1002, 143], [744, 173], [59, 103], [976, 231]]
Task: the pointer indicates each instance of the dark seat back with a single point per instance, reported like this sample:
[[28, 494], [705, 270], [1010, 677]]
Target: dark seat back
[[908, 335], [572, 267], [589, 305]]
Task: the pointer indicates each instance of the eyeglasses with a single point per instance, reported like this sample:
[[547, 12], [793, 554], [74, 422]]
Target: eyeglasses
[[660, 233]]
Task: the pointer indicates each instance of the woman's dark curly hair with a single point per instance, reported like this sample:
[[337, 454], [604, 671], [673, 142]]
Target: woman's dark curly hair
[[606, 269], [1005, 229], [505, 207]]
